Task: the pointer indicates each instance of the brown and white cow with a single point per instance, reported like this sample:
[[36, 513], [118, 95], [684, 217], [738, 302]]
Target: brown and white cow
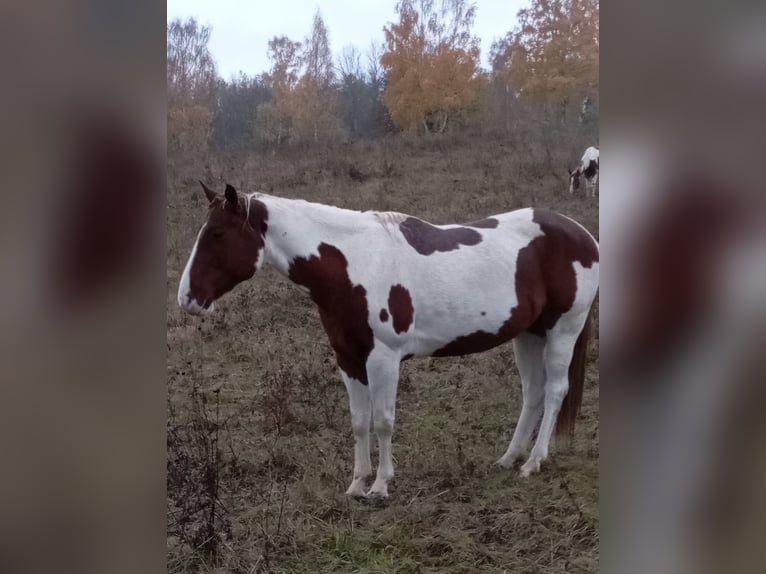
[[390, 286], [588, 171]]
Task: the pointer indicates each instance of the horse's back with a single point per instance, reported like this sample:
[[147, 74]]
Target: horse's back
[[513, 272], [516, 229]]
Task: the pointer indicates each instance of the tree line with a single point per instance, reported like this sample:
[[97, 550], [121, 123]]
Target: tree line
[[423, 77]]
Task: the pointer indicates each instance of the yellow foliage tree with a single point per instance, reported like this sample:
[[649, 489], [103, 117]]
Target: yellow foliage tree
[[313, 114], [432, 63], [301, 78], [274, 119], [191, 85], [189, 127], [552, 55]]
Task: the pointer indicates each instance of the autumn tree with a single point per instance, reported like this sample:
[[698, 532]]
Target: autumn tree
[[191, 71], [317, 57], [313, 103], [432, 63], [552, 55], [191, 84], [302, 80], [274, 117]]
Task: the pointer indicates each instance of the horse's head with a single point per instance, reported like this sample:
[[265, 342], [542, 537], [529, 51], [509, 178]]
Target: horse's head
[[228, 249], [574, 179]]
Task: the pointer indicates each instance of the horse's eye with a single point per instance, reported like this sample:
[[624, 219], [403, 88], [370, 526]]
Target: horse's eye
[[217, 234]]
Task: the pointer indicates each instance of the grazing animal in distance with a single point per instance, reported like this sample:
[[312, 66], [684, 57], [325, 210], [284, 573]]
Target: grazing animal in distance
[[391, 286], [587, 170]]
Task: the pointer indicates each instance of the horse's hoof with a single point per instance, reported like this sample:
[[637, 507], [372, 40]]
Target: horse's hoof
[[378, 492], [377, 499], [379, 488], [373, 494], [356, 489], [507, 462], [530, 467]]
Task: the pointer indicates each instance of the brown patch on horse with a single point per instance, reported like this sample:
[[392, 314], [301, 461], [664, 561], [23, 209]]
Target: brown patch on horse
[[400, 304], [426, 239], [591, 170], [545, 268], [545, 283], [480, 341], [383, 315], [488, 223], [342, 307], [229, 245]]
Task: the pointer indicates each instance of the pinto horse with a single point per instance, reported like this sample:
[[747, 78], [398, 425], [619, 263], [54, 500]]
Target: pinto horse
[[588, 170], [390, 286]]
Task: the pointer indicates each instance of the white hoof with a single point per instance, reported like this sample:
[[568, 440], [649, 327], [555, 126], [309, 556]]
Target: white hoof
[[532, 466], [508, 460], [356, 488], [378, 490]]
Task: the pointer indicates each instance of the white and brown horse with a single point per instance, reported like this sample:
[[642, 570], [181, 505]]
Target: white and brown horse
[[390, 286], [587, 170]]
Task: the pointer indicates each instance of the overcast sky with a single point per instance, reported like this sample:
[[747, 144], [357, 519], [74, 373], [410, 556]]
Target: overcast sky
[[242, 28]]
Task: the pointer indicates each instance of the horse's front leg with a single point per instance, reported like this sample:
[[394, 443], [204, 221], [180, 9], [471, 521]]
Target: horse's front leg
[[359, 403], [383, 376]]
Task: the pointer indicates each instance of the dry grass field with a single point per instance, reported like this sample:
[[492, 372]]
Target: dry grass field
[[260, 449]]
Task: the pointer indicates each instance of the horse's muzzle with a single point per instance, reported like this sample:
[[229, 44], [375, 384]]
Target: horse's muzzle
[[191, 306]]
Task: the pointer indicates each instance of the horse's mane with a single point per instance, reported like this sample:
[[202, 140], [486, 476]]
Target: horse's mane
[[389, 219]]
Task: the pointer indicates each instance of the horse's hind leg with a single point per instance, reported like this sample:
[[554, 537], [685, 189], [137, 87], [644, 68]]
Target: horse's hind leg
[[557, 356], [528, 351]]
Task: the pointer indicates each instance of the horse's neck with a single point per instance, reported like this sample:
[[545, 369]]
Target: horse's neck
[[296, 228]]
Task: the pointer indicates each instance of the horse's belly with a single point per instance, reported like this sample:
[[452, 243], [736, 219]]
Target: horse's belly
[[476, 342], [460, 334], [457, 311]]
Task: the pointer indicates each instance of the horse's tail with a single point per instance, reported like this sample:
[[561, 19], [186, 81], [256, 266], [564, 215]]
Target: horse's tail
[[570, 407]]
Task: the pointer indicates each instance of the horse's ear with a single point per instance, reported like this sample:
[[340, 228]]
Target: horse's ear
[[231, 194], [209, 193]]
